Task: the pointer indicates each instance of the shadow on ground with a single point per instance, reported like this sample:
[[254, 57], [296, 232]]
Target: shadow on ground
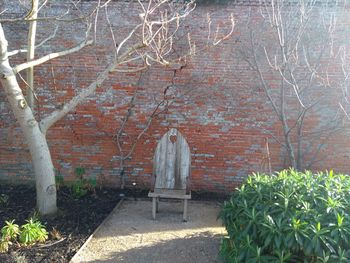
[[190, 249], [135, 217], [131, 235]]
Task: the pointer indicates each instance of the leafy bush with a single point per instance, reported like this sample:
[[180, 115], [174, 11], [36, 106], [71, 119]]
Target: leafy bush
[[288, 217], [78, 188], [33, 231], [81, 187], [10, 231]]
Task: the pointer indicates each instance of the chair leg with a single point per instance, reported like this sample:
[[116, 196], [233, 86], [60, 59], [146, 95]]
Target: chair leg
[[154, 204], [157, 205], [185, 210]]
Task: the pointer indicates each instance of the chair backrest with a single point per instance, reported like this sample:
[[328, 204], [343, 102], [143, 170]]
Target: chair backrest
[[172, 161]]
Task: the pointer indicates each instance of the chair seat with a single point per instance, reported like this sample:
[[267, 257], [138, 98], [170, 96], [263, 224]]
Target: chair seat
[[170, 193]]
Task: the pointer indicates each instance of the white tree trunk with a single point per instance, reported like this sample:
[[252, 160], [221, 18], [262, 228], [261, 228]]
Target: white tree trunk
[[143, 51], [31, 53], [43, 167]]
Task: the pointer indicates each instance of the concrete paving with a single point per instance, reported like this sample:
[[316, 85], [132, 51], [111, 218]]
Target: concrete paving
[[130, 235]]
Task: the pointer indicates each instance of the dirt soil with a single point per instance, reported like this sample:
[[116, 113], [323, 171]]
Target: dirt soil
[[130, 235], [76, 220]]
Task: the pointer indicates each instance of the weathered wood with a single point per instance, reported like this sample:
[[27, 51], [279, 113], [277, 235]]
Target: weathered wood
[[184, 218], [171, 168], [172, 161], [170, 191], [154, 208], [157, 204], [169, 195]]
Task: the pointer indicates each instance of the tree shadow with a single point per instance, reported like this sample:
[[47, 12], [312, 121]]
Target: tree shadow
[[135, 217], [201, 248]]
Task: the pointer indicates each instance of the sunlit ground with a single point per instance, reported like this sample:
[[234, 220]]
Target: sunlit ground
[[130, 235]]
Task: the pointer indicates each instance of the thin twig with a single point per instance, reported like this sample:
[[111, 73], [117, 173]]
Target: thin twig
[[51, 244]]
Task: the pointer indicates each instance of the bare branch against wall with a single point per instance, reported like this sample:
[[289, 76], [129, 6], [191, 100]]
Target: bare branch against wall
[[291, 55], [150, 42]]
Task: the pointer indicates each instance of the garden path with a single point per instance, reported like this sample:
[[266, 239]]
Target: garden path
[[130, 235]]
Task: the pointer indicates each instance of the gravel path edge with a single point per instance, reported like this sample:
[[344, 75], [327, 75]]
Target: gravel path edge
[[74, 258]]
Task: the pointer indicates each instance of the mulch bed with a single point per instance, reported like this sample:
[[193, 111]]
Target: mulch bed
[[75, 221]]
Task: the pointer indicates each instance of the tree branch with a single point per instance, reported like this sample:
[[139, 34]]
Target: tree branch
[[48, 57], [48, 121], [19, 51]]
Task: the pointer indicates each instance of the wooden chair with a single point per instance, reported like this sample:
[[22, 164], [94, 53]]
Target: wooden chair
[[171, 170]]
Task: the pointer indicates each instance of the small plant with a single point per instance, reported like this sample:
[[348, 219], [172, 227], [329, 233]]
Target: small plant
[[4, 199], [79, 172], [10, 231], [35, 215], [55, 234], [91, 185], [4, 245], [81, 185], [33, 231], [288, 217], [78, 189]]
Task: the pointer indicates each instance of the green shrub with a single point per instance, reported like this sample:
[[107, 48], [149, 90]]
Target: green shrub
[[78, 189], [10, 231], [33, 231], [288, 217], [81, 185]]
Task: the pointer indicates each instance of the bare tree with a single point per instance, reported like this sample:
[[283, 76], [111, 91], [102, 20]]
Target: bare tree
[[160, 107], [125, 154], [291, 47], [344, 61], [149, 42]]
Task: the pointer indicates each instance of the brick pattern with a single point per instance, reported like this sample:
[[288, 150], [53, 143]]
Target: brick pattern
[[215, 103]]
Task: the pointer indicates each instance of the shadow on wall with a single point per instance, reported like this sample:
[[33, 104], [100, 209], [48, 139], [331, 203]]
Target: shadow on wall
[[199, 248]]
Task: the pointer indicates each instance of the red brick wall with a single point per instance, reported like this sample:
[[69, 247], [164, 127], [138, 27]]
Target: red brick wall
[[218, 107]]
